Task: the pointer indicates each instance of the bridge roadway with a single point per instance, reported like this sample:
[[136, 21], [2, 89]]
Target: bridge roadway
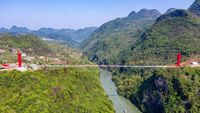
[[111, 66], [97, 66]]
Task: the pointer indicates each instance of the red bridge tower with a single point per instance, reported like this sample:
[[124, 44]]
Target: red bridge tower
[[178, 59], [19, 59]]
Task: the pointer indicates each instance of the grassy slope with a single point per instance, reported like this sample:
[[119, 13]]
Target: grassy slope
[[68, 90]]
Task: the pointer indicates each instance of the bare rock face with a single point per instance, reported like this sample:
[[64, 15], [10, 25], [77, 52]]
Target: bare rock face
[[153, 95], [195, 8]]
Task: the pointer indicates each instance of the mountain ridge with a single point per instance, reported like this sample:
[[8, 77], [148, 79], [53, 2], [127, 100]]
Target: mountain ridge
[[195, 7], [175, 31], [116, 35], [70, 36], [144, 13]]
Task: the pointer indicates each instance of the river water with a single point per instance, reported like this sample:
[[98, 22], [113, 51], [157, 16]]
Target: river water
[[119, 102]]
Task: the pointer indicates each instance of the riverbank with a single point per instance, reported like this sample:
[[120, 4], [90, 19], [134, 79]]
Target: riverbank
[[119, 102]]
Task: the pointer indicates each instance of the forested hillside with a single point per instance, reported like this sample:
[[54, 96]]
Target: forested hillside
[[173, 90], [69, 90], [105, 44], [136, 39], [173, 32], [28, 43], [162, 90], [34, 46]]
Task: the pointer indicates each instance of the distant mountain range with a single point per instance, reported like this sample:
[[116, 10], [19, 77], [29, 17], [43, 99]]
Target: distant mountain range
[[69, 36]]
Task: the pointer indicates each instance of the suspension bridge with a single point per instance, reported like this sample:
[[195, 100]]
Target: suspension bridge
[[24, 67], [110, 66]]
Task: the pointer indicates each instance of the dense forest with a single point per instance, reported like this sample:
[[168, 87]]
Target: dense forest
[[162, 90], [172, 33], [113, 37], [68, 90]]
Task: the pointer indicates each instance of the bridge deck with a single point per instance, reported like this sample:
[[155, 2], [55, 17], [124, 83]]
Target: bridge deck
[[112, 66]]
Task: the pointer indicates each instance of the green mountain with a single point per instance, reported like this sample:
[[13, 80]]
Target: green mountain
[[136, 39], [162, 90], [115, 36], [21, 30], [28, 43], [173, 32], [34, 46], [82, 34], [194, 8], [69, 36], [174, 90], [170, 10], [69, 90]]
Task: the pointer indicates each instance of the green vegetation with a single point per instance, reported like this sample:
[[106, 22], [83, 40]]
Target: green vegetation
[[162, 90], [153, 90], [167, 90], [113, 37], [172, 33], [35, 47], [70, 37], [66, 54], [134, 40], [68, 90], [28, 43]]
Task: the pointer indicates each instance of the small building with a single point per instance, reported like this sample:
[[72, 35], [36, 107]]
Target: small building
[[194, 64], [41, 57], [29, 58], [34, 67]]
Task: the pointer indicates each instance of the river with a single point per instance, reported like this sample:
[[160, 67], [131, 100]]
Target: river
[[119, 102]]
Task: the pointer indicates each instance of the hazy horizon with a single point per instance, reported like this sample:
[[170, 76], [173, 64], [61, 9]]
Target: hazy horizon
[[47, 27], [75, 14]]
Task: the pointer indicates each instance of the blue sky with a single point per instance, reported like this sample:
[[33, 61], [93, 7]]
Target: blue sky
[[75, 14]]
